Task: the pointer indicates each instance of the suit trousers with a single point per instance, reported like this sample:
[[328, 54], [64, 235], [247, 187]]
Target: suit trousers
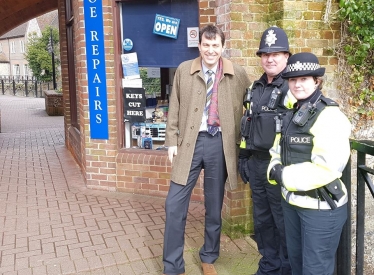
[[208, 155]]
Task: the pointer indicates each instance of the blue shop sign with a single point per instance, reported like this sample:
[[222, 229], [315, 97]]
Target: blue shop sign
[[166, 26], [96, 69]]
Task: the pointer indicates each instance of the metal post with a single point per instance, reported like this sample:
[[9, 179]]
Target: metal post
[[53, 64], [343, 255], [360, 232], [26, 88], [14, 87]]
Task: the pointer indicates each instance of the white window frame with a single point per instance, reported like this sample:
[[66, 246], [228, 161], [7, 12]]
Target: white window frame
[[26, 69], [22, 46], [12, 47], [16, 70]]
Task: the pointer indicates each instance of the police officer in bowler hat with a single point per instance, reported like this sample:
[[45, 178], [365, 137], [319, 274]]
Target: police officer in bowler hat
[[308, 157]]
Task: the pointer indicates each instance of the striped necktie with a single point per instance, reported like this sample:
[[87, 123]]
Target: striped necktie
[[209, 89], [211, 106]]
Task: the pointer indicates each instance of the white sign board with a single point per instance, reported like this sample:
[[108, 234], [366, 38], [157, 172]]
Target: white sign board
[[153, 72], [130, 65], [192, 37]]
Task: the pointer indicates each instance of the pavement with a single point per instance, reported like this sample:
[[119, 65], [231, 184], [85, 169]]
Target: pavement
[[50, 223]]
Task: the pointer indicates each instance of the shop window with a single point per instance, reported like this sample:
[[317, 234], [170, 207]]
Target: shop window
[[138, 22]]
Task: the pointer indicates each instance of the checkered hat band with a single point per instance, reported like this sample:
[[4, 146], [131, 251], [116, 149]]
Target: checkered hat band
[[307, 66]]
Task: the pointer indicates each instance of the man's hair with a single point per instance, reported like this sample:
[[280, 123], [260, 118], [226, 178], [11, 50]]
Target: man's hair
[[210, 32]]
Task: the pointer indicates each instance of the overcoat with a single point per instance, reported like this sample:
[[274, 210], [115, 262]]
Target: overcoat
[[187, 102]]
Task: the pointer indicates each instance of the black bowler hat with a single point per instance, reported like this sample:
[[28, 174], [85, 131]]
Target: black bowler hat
[[303, 64]]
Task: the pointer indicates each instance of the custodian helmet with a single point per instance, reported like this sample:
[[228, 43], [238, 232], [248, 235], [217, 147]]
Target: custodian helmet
[[273, 40]]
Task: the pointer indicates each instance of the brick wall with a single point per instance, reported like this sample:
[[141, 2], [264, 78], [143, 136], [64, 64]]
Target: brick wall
[[98, 157]]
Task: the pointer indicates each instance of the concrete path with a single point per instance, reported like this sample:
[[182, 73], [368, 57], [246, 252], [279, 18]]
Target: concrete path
[[50, 223]]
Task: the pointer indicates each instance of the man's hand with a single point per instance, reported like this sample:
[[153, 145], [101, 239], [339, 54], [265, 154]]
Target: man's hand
[[243, 165], [276, 174], [172, 151]]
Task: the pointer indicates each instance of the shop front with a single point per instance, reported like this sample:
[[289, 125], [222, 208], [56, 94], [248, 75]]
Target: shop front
[[118, 60], [155, 37]]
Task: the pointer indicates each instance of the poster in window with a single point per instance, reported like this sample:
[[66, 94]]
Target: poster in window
[[134, 104]]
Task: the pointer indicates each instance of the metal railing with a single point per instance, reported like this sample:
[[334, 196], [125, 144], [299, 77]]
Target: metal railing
[[344, 253], [23, 86]]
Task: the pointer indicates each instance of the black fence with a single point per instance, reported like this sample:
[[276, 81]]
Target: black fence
[[364, 148], [23, 86]]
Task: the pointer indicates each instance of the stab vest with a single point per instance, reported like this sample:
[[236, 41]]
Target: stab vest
[[297, 141], [261, 123]]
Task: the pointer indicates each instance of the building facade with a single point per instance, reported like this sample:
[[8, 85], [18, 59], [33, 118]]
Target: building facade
[[105, 152], [13, 45]]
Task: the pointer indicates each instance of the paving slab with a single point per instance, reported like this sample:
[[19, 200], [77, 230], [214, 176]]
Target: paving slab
[[50, 223]]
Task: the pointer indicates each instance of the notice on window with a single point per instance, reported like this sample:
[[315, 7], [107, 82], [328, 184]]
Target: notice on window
[[193, 37], [134, 104], [130, 66], [166, 26]]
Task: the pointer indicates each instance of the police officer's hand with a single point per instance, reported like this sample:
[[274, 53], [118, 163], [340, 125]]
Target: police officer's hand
[[172, 151], [243, 164], [276, 174]]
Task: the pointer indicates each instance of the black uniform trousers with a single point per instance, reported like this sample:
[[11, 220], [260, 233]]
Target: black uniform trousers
[[208, 155], [268, 220]]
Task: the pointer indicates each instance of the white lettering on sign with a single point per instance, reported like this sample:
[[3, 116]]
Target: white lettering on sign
[[300, 140], [95, 49], [161, 18], [93, 12], [135, 104], [94, 36], [140, 96], [98, 105], [165, 28], [95, 63], [267, 109], [96, 79], [98, 118], [134, 113]]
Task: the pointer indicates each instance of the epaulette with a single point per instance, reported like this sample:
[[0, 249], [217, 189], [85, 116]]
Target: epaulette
[[329, 101]]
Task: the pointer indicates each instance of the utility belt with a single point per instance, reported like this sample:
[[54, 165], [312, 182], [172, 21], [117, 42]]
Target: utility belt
[[330, 193], [261, 154], [310, 193]]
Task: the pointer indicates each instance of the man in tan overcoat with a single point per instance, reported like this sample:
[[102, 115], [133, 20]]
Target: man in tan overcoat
[[203, 132]]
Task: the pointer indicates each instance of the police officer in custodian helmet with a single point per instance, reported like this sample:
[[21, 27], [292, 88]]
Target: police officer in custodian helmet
[[268, 97]]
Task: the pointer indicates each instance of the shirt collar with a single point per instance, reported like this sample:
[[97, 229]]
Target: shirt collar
[[205, 69]]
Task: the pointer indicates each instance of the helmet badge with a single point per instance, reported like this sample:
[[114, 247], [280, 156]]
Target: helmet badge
[[298, 66], [271, 37]]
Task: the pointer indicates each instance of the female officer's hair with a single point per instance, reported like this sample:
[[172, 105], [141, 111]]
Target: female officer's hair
[[210, 32], [319, 80]]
